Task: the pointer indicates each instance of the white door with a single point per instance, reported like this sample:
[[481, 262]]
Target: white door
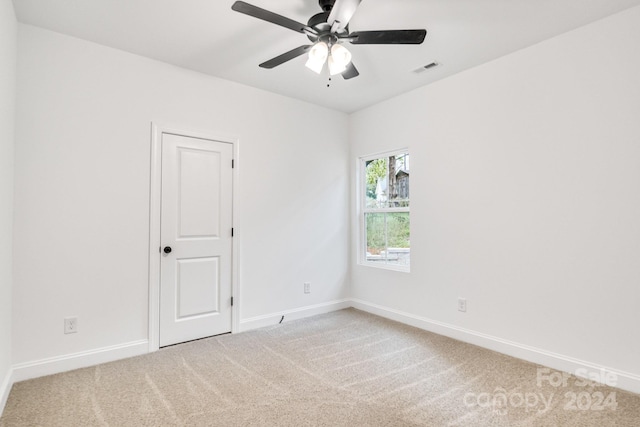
[[196, 238]]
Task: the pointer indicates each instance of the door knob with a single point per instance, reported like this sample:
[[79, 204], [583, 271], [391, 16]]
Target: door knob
[[167, 249]]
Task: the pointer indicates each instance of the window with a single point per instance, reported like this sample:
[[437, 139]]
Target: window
[[384, 210]]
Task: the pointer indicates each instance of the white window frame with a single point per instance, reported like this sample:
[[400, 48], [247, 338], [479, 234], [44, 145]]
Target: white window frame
[[363, 210]]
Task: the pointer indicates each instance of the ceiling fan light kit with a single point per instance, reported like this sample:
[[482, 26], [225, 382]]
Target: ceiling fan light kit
[[328, 30], [339, 59], [317, 57]]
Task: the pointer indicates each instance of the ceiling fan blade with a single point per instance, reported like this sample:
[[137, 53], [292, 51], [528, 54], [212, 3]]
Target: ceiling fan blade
[[341, 14], [388, 37], [288, 56], [350, 72], [274, 18]]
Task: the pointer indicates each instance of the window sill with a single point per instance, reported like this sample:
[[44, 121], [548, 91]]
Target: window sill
[[392, 267]]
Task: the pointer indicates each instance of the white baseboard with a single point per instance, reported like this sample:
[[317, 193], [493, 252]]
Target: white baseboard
[[5, 389], [296, 313], [68, 362], [623, 380]]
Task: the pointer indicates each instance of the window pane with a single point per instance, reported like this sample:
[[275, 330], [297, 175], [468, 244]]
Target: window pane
[[386, 187], [387, 182], [399, 179], [376, 183], [398, 247], [376, 236], [388, 238]]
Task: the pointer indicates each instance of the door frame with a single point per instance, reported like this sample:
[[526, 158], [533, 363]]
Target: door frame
[[155, 196]]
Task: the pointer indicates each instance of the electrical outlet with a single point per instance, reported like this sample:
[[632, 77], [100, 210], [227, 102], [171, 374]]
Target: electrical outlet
[[462, 304], [70, 325], [307, 288]]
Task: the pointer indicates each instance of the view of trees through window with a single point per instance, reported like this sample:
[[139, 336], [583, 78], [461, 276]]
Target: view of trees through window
[[386, 209]]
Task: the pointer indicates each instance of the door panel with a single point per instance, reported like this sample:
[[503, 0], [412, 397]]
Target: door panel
[[199, 193], [198, 287], [195, 282]]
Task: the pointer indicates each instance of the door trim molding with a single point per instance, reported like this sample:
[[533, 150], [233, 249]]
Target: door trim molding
[[155, 192]]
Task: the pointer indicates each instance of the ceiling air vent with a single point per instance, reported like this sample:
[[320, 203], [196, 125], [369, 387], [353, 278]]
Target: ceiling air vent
[[426, 67]]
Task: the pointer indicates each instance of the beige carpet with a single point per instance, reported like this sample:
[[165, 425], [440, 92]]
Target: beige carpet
[[346, 368]]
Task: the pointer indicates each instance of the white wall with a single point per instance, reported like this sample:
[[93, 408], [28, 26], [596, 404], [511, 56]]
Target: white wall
[[525, 197], [8, 44], [82, 204]]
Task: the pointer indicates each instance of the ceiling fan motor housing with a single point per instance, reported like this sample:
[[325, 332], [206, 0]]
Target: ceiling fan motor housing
[[326, 5], [319, 23], [318, 19]]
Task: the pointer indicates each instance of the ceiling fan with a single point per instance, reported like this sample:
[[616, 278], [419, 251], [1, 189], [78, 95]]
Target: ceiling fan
[[328, 31]]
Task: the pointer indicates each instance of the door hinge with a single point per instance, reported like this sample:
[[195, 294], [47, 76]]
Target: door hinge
[[233, 163], [231, 301], [231, 231]]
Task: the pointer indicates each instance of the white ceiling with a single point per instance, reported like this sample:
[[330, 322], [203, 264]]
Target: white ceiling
[[207, 36]]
